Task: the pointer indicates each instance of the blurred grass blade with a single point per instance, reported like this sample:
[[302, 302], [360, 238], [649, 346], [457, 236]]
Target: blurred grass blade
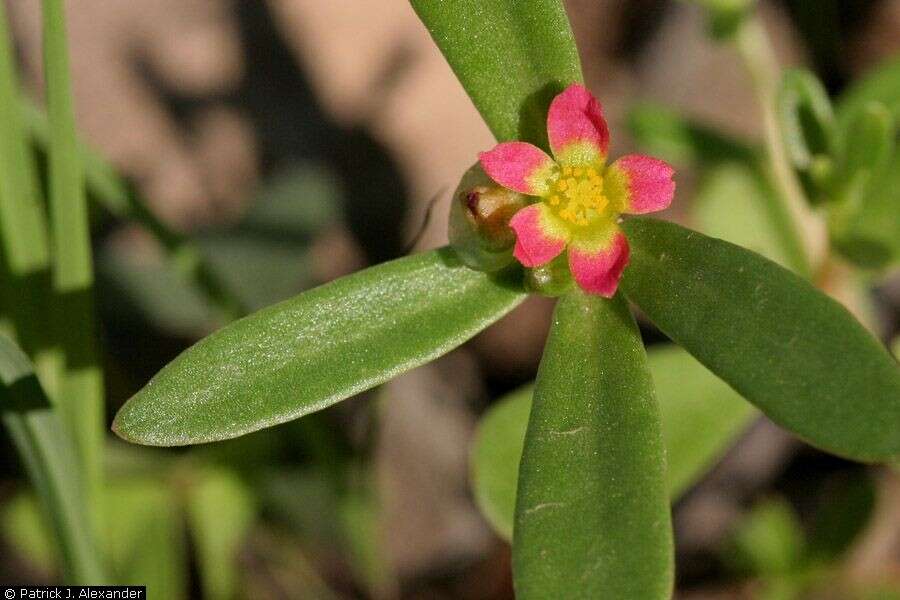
[[220, 512], [102, 182], [81, 390], [701, 418], [511, 56], [107, 189], [22, 223], [782, 344], [45, 448], [145, 536], [316, 349], [592, 514]]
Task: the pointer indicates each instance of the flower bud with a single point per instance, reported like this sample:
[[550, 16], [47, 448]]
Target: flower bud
[[479, 221]]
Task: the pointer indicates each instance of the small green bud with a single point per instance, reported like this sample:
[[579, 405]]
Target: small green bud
[[479, 229], [552, 279]]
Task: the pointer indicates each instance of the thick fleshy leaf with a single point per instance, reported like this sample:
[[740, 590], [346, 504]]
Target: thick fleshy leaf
[[519, 166], [539, 238], [794, 352], [597, 269], [511, 56], [701, 418], [647, 183], [316, 349], [576, 128], [592, 513]]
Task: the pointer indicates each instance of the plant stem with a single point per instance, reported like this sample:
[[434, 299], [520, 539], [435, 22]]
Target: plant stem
[[753, 44]]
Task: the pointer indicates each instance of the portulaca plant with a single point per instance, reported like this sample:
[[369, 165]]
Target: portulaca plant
[[592, 516]]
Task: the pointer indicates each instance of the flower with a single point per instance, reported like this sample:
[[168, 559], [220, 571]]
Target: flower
[[581, 197]]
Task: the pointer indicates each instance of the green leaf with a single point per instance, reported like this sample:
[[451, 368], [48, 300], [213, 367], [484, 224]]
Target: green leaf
[[701, 417], [769, 541], [23, 227], [592, 514], [847, 508], [220, 511], [667, 134], [145, 536], [864, 218], [316, 349], [81, 395], [103, 184], [752, 216], [496, 453], [360, 517], [25, 530], [46, 449], [866, 227], [511, 56], [867, 143], [880, 84], [794, 352], [808, 128], [806, 117], [725, 16]]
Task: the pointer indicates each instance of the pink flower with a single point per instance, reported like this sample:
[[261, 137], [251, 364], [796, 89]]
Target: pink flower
[[581, 197]]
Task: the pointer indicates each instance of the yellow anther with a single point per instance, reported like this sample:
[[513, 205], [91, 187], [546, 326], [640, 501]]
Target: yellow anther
[[577, 196]]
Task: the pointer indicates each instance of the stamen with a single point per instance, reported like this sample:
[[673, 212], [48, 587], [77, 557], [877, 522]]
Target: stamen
[[582, 190]]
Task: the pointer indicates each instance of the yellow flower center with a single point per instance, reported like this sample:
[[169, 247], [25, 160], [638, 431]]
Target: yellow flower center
[[577, 196]]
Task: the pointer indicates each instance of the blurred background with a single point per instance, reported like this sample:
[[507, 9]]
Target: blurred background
[[279, 144]]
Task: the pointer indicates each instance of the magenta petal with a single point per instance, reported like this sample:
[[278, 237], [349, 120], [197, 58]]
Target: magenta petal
[[518, 166], [537, 240], [598, 271], [649, 183], [575, 125]]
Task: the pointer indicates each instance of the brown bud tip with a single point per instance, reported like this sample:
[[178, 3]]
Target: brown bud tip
[[489, 209]]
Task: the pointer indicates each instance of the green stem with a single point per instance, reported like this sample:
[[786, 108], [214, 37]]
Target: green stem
[[753, 44]]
